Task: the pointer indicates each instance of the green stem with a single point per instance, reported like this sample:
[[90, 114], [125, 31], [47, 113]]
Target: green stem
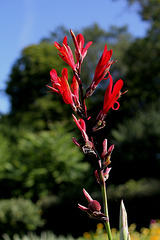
[[104, 195]]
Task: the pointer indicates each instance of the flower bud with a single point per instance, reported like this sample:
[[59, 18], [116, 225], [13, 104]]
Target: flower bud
[[123, 223], [94, 206]]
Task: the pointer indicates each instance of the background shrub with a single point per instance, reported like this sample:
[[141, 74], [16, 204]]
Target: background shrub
[[18, 215]]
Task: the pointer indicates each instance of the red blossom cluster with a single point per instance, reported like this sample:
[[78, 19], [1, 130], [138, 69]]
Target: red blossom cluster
[[74, 95], [70, 94]]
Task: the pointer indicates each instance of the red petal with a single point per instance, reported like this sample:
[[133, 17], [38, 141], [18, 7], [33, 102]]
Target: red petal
[[53, 89], [108, 91], [77, 123], [65, 40], [82, 123], [80, 40], [82, 207], [67, 95], [117, 87], [88, 197], [75, 87], [57, 45], [118, 105], [53, 74]]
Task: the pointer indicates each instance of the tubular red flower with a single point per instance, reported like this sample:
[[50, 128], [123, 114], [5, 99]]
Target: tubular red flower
[[66, 53], [88, 148], [105, 174], [103, 65], [102, 69], [82, 127], [106, 152], [106, 155], [80, 50], [112, 95], [60, 85], [110, 100]]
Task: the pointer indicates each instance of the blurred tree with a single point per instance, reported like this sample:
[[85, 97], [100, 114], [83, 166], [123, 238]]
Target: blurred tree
[[143, 72], [149, 10], [116, 38], [137, 146], [41, 163], [27, 86], [18, 215]]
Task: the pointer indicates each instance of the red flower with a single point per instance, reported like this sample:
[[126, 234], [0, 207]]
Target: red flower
[[112, 95], [80, 51], [105, 174], [88, 148], [60, 85], [110, 101], [105, 156], [93, 209], [82, 127], [102, 69], [66, 53]]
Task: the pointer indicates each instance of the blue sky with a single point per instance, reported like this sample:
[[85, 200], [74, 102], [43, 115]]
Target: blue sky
[[25, 22]]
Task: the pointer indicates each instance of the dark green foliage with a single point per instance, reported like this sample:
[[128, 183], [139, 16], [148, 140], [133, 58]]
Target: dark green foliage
[[137, 143], [41, 163], [145, 187], [18, 215]]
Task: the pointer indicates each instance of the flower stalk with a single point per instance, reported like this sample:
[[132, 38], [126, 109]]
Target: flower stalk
[[104, 196]]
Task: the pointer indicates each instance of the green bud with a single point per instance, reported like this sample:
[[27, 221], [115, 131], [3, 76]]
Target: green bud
[[123, 223], [124, 234]]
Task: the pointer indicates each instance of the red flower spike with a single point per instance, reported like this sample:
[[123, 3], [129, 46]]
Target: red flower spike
[[66, 53], [60, 85], [93, 209], [101, 71], [80, 50]]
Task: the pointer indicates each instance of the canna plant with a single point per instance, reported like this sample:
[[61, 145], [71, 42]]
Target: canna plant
[[75, 96]]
